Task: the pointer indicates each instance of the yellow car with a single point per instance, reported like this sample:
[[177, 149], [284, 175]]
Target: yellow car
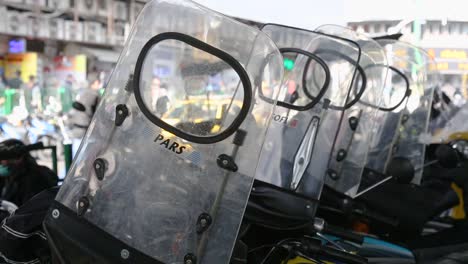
[[200, 116]]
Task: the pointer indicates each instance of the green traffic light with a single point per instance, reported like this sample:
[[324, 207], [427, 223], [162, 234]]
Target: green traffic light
[[288, 64]]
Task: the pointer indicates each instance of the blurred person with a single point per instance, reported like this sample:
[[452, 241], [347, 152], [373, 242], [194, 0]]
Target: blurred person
[[155, 86], [2, 89], [458, 99], [20, 176], [32, 94], [159, 95], [69, 81], [52, 101], [82, 112], [162, 103], [3, 81], [65, 93], [16, 82]]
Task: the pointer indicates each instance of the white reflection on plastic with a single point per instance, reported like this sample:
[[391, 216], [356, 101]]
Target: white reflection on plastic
[[150, 197], [304, 154]]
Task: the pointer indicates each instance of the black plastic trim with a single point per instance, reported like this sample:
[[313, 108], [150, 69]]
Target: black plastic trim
[[323, 90], [89, 238], [244, 78], [407, 92], [358, 69], [356, 63]]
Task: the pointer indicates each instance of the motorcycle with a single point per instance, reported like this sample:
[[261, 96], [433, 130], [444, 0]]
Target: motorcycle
[[280, 225], [191, 181]]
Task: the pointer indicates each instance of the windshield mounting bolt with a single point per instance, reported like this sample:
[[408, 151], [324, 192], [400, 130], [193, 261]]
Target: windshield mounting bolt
[[353, 122], [190, 259], [332, 174], [100, 168], [125, 254], [341, 155], [121, 114], [227, 162], [203, 223], [55, 213], [83, 205]]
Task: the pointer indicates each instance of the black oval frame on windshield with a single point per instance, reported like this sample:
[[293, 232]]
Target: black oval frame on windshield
[[322, 91], [405, 96], [358, 71], [198, 44]]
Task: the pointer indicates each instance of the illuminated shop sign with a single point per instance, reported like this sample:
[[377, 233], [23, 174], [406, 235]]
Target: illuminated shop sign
[[17, 46], [457, 54]]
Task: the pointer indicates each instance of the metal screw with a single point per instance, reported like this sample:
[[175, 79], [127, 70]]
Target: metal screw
[[203, 222], [190, 259], [81, 204], [55, 213], [98, 166], [301, 161], [308, 206], [124, 254], [225, 162], [120, 112]]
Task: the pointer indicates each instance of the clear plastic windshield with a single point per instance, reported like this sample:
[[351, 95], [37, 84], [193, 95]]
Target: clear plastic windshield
[[351, 145], [165, 170], [445, 105], [455, 131], [456, 127], [402, 130], [319, 72]]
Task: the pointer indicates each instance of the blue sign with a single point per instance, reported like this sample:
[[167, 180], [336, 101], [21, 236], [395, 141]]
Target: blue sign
[[17, 46]]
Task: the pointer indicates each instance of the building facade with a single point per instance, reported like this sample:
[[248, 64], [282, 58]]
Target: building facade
[[445, 41]]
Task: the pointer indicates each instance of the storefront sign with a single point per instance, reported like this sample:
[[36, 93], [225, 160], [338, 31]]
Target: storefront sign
[[17, 46]]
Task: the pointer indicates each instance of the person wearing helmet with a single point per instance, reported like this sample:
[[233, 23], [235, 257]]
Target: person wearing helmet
[[20, 176], [16, 82], [82, 112]]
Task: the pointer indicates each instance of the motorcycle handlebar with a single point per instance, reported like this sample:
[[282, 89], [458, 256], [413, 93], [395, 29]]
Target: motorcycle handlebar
[[14, 152]]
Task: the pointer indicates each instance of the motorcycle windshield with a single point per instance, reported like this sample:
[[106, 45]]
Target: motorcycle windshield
[[165, 170], [445, 105], [319, 72], [455, 128], [455, 131], [351, 144], [402, 129]]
